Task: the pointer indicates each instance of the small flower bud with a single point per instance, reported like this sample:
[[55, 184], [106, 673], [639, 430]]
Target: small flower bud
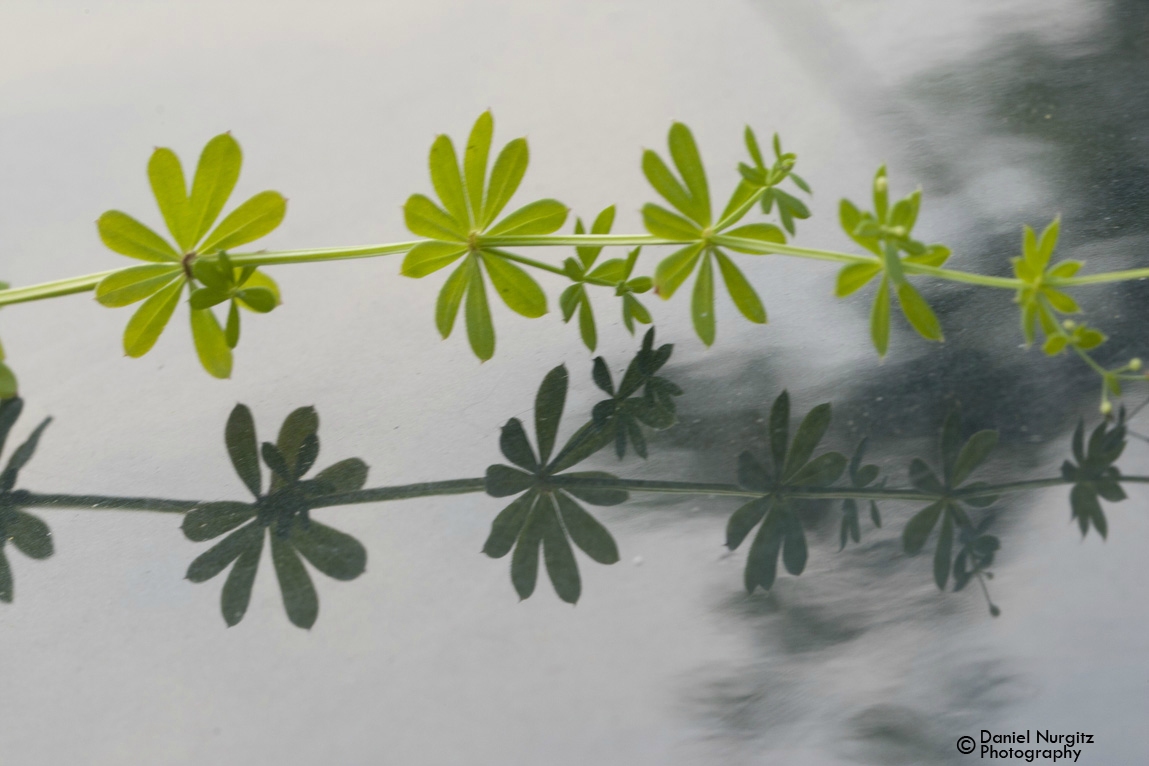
[[1135, 364], [1069, 324], [1106, 407], [880, 184]]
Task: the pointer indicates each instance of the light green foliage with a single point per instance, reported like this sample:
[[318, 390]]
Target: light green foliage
[[469, 204], [689, 194], [1040, 300], [887, 233], [283, 514], [197, 260], [617, 272]]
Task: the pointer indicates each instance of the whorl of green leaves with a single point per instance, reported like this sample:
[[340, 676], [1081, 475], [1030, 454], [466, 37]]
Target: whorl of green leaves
[[547, 513], [959, 460], [886, 232], [281, 514], [181, 262], [791, 465], [689, 194], [470, 201], [1094, 475]]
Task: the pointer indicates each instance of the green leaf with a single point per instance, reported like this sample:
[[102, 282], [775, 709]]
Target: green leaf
[[544, 216], [10, 410], [525, 560], [822, 470], [506, 175], [210, 520], [923, 478], [762, 561], [752, 147], [779, 430], [515, 447], [258, 280], [592, 495], [1061, 301], [806, 439], [210, 343], [918, 312], [973, 454], [210, 563], [425, 218], [745, 519], [549, 410], [231, 331], [504, 481], [919, 527], [8, 387], [518, 290], [5, 579], [299, 598], [428, 257], [741, 292], [297, 427], [684, 152], [125, 235], [614, 270], [236, 593], [149, 320], [30, 534], [602, 225], [255, 218], [1065, 269], [475, 161], [662, 223], [205, 297], [258, 299], [702, 302], [766, 233], [675, 268], [739, 205], [125, 287], [943, 556], [586, 323], [880, 317], [668, 187], [447, 181], [336, 554], [215, 178], [935, 256], [1044, 249], [345, 476], [480, 329], [171, 192], [586, 531], [451, 296], [560, 561], [507, 525], [853, 277], [794, 550], [881, 194]]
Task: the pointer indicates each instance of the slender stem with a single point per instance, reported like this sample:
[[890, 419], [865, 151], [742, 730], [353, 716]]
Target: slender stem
[[1097, 279], [315, 256], [580, 240], [52, 289], [530, 262], [467, 486], [425, 489], [968, 278]]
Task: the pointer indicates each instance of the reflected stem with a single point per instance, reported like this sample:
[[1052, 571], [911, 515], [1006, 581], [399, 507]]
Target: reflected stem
[[26, 499]]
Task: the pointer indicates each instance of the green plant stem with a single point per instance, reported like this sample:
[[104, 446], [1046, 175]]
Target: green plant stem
[[28, 499], [52, 289], [275, 258]]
